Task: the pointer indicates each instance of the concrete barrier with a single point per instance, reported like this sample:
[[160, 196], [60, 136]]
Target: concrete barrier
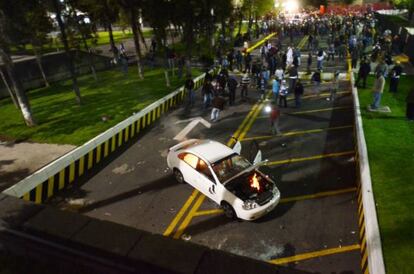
[[369, 234], [78, 163], [73, 243]]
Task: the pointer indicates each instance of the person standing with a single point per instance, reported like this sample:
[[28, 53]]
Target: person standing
[[320, 58], [293, 77], [189, 86], [395, 77], [239, 60], [218, 105], [410, 105], [309, 61], [247, 62], [232, 84], [279, 74], [283, 94], [298, 94], [363, 72], [261, 85], [334, 87], [245, 82], [207, 93], [274, 119], [316, 79], [275, 89], [377, 90]]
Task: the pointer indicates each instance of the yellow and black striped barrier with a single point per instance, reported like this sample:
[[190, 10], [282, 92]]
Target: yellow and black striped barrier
[[78, 163]]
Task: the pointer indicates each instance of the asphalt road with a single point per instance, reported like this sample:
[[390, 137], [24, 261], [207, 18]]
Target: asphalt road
[[313, 229]]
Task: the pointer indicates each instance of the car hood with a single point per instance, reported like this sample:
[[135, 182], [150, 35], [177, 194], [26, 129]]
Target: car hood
[[247, 170]]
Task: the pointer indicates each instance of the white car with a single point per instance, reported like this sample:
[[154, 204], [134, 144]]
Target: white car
[[225, 177]]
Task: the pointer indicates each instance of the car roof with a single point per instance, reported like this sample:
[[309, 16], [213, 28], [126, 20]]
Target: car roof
[[210, 151]]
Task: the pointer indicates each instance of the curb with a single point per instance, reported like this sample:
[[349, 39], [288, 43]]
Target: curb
[[370, 239]]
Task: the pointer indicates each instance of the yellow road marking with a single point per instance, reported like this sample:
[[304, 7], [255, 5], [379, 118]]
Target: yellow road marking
[[320, 95], [315, 254], [289, 199], [190, 199], [316, 157], [320, 110], [312, 111], [260, 42], [208, 212], [318, 195], [189, 217], [179, 215], [298, 132]]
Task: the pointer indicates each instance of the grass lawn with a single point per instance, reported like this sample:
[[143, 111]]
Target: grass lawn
[[390, 141], [62, 121]]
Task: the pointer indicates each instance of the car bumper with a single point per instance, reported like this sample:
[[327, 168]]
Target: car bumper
[[260, 211]]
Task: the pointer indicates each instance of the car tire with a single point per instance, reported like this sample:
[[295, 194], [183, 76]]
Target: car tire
[[178, 176], [228, 210]]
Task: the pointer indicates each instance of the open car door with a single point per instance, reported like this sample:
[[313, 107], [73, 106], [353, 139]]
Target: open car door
[[237, 147], [258, 158]]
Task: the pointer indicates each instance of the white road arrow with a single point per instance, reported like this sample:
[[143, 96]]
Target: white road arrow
[[194, 121]]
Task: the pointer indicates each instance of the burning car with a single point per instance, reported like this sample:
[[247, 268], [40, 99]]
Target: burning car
[[225, 177]]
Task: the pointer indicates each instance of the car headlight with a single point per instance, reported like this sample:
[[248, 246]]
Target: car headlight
[[249, 204], [276, 192]]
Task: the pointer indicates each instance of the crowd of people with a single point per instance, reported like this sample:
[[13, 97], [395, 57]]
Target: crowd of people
[[330, 37]]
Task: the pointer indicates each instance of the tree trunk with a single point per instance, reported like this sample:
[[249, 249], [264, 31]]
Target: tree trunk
[[188, 35], [141, 35], [240, 23], [90, 58], [39, 64], [167, 79], [12, 95], [17, 86], [133, 19], [68, 55], [112, 41]]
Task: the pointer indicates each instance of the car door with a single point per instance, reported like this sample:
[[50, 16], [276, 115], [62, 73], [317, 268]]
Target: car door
[[197, 173], [206, 181]]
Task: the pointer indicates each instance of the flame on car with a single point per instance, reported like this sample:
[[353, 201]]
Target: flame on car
[[254, 182]]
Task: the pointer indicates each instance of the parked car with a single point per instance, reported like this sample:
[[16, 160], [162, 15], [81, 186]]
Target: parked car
[[224, 176]]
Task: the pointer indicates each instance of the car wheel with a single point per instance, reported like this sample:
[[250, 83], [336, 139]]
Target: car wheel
[[228, 210], [178, 176]]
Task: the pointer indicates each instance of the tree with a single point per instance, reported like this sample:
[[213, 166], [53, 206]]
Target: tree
[[103, 12], [130, 8], [39, 26], [12, 21], [407, 4], [57, 8]]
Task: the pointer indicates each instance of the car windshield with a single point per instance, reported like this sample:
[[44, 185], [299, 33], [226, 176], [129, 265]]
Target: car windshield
[[230, 166]]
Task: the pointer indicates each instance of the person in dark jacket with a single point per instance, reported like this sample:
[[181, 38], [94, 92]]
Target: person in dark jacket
[[189, 86], [232, 84], [364, 70], [410, 105], [218, 105], [298, 93]]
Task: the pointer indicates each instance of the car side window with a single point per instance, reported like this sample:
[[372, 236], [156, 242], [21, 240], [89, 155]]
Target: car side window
[[190, 159], [202, 167]]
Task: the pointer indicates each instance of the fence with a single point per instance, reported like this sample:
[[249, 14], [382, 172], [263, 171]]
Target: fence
[[80, 162]]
